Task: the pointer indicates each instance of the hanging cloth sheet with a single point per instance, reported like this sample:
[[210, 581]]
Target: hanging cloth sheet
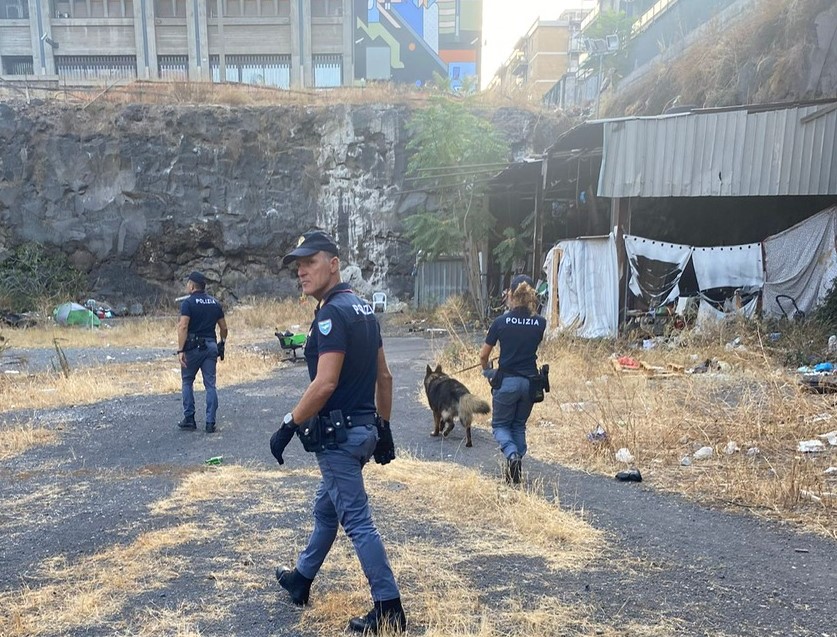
[[709, 314], [656, 269], [801, 263], [738, 266], [588, 287]]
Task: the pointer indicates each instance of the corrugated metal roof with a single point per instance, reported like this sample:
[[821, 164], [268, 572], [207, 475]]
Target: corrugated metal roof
[[738, 153]]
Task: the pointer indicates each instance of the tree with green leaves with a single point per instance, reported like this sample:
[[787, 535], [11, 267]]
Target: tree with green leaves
[[453, 154]]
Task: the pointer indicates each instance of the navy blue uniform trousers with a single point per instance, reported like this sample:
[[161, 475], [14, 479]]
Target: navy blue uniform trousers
[[341, 501]]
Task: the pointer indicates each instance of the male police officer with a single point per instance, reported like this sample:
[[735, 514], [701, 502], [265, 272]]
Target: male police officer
[[198, 349], [348, 373]]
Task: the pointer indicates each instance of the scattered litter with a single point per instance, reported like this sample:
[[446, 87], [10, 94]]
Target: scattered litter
[[627, 362], [597, 435], [631, 475], [623, 455], [11, 371], [801, 550], [810, 496], [830, 471], [821, 418], [832, 344], [753, 451], [831, 437], [704, 453], [214, 460], [774, 336], [649, 343], [731, 448], [735, 344], [569, 407], [685, 461], [824, 367], [810, 446]]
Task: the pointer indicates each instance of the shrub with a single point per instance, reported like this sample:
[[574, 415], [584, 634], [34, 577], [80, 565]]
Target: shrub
[[35, 275]]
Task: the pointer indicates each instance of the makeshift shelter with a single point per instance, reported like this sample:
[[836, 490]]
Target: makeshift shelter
[[801, 264], [585, 274], [75, 314]]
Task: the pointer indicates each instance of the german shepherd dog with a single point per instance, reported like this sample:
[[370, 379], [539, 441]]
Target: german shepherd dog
[[449, 399]]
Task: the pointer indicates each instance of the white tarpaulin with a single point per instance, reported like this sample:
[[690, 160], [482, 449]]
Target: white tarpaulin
[[588, 287], [708, 313], [656, 268], [800, 263], [729, 266]]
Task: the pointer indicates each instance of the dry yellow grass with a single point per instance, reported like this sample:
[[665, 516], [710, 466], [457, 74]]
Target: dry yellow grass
[[15, 439], [229, 504], [85, 592], [755, 404], [90, 385], [253, 320], [250, 323]]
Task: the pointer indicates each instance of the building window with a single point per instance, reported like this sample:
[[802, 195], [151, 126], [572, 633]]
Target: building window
[[61, 9], [18, 65], [328, 71], [14, 9], [280, 8], [170, 8], [269, 70], [96, 67], [326, 8], [173, 68]]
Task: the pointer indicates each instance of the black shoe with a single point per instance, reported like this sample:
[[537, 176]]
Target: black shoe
[[385, 616], [514, 469], [187, 423], [298, 586], [210, 427]]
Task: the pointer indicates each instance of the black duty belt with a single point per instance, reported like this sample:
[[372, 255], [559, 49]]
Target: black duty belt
[[354, 420]]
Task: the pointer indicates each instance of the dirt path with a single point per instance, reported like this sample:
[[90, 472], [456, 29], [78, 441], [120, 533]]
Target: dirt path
[[714, 572]]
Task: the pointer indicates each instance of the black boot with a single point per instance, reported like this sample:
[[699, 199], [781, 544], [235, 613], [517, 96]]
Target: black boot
[[514, 468], [187, 423], [210, 427], [385, 616], [298, 586]]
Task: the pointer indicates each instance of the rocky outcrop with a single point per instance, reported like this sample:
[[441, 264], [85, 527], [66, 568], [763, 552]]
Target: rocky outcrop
[[138, 196]]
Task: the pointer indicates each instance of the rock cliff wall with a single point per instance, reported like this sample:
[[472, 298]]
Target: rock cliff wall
[[138, 196]]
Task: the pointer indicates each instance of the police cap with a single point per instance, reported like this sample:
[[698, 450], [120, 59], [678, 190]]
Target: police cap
[[521, 278], [311, 243], [197, 277]]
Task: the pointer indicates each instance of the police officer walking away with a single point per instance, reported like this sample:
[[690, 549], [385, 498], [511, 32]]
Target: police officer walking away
[[198, 349], [336, 418], [519, 332]]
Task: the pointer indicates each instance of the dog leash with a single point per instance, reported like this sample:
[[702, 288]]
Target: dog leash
[[465, 369]]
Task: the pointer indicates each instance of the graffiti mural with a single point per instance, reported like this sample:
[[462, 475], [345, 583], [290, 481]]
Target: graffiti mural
[[409, 40]]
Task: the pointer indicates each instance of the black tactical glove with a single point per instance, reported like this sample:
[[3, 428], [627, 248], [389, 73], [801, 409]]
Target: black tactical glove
[[280, 440], [385, 449], [222, 346]]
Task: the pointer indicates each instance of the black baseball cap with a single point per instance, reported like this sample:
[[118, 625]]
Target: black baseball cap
[[311, 243], [521, 278], [197, 277]]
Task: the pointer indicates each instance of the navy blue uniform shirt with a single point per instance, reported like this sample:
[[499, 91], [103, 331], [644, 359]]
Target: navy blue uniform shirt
[[519, 334], [346, 323], [203, 312]]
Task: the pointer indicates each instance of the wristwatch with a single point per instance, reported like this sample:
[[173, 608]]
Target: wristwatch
[[288, 421]]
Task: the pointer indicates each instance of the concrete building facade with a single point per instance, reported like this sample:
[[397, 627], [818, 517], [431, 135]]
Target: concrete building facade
[[283, 43]]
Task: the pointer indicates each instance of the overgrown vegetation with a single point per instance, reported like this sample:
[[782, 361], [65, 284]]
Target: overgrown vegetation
[[453, 155], [760, 59], [35, 277]]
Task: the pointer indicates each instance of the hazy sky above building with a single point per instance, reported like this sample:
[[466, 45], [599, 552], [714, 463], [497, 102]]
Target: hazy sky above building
[[504, 22]]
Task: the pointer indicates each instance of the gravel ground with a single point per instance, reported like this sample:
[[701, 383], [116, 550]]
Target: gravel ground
[[719, 572]]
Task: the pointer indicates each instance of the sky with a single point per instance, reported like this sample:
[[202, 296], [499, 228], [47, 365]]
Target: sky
[[504, 22]]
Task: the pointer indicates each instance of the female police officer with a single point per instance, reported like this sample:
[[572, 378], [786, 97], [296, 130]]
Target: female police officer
[[519, 332], [349, 373]]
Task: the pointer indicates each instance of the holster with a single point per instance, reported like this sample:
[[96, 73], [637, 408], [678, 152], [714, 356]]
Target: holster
[[194, 342], [323, 432]]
